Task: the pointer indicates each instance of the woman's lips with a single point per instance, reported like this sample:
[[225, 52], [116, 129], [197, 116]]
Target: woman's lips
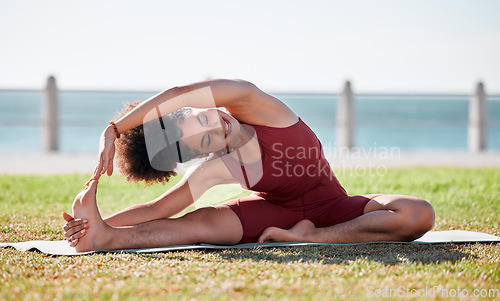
[[228, 127]]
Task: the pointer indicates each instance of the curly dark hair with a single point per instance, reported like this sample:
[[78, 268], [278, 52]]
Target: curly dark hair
[[131, 154]]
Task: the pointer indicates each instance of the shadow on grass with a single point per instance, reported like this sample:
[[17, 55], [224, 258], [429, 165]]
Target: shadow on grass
[[387, 254]]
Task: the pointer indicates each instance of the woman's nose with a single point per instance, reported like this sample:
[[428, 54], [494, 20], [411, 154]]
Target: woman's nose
[[217, 129], [215, 122]]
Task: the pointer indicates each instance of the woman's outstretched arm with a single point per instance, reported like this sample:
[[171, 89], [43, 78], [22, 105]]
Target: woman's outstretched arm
[[230, 94], [187, 191], [170, 203]]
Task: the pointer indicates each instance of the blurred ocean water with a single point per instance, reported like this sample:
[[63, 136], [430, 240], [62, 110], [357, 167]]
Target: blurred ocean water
[[409, 122]]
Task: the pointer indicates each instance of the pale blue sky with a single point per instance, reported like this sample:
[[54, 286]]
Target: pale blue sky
[[381, 46]]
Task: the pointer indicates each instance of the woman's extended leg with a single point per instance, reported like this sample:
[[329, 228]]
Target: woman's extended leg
[[217, 225], [385, 218]]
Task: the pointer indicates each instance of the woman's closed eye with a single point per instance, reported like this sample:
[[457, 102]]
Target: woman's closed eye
[[206, 140], [203, 120]]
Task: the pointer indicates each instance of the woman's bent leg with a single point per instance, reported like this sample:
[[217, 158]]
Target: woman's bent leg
[[385, 218]]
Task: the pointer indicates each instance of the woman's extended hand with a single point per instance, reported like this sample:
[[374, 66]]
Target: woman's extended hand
[[106, 154], [74, 229]]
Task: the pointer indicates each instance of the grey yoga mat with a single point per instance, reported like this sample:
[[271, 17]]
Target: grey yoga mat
[[61, 247]]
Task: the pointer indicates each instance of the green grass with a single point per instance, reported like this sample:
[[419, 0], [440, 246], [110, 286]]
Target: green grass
[[467, 199]]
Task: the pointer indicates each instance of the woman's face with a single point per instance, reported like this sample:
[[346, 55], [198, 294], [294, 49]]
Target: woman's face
[[209, 130]]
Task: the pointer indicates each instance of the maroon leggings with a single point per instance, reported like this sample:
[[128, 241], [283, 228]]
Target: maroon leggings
[[256, 213]]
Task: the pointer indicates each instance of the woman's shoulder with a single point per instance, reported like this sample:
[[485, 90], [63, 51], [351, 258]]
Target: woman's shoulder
[[264, 110]]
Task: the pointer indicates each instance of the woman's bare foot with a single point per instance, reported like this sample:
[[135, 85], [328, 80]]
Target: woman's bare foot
[[301, 232], [85, 207]]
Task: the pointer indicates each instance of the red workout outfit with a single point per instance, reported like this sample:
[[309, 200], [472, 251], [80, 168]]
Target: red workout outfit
[[297, 183]]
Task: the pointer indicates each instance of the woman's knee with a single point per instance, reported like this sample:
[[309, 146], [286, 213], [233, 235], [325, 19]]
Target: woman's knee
[[415, 216], [419, 218]]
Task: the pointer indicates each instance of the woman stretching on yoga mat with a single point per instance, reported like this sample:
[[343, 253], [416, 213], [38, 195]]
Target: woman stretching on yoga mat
[[258, 142]]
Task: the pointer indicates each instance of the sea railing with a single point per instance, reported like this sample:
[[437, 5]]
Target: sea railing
[[345, 120], [476, 130]]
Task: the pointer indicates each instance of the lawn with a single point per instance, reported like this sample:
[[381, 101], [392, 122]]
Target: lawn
[[467, 199]]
